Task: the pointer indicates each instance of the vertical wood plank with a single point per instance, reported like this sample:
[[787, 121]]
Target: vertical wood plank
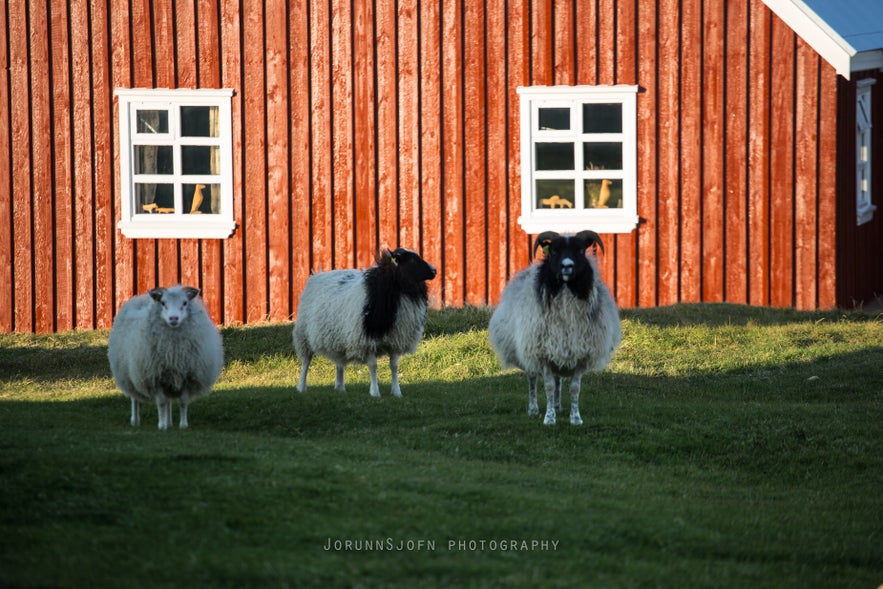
[[430, 143], [278, 158], [690, 164], [736, 243], [827, 204], [387, 126], [452, 151], [64, 236], [7, 242], [758, 241], [587, 44], [668, 110], [320, 99], [105, 153], [806, 189], [541, 52], [233, 248], [43, 193], [299, 43], [408, 108], [519, 71], [342, 129], [365, 126], [647, 154], [254, 112], [475, 139], [713, 166], [83, 263], [564, 42], [607, 13], [497, 190], [782, 161]]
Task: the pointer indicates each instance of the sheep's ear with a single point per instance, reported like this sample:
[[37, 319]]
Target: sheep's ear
[[191, 292], [544, 239], [590, 238], [156, 294]]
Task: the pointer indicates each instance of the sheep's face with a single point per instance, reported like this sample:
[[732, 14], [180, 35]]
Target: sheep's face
[[174, 303], [566, 264], [412, 266]]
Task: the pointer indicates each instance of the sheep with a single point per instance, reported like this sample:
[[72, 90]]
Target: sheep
[[358, 315], [163, 346], [556, 318]]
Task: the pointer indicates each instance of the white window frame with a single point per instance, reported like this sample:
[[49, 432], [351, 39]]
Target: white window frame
[[567, 220], [136, 224], [864, 206]]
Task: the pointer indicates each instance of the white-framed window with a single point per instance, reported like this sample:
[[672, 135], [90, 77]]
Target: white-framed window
[[176, 163], [578, 158], [863, 124]]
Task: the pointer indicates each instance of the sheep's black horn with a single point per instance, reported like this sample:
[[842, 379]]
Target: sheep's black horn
[[542, 239], [590, 237]]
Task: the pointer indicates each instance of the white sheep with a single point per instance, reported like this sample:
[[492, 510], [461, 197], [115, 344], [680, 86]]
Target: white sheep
[[356, 316], [556, 318], [163, 346]]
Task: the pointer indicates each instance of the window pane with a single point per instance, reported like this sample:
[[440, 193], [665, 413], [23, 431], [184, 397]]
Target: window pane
[[603, 194], [602, 118], [153, 159], [202, 199], [602, 156], [154, 199], [199, 121], [200, 159], [554, 194], [152, 121], [554, 156], [554, 119]]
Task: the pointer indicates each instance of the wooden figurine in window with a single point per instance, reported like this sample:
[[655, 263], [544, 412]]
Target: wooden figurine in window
[[604, 193], [197, 199], [556, 202]]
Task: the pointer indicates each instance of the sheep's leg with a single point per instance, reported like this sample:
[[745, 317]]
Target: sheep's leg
[[394, 369], [338, 377], [164, 411], [575, 382], [136, 412], [304, 368], [183, 402], [532, 407], [549, 382], [558, 394], [372, 369]]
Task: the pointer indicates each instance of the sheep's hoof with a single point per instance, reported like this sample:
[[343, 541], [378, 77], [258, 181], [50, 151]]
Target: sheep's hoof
[[549, 420], [533, 411], [576, 420]]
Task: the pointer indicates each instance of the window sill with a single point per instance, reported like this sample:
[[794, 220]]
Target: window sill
[[571, 223], [220, 229], [865, 214]]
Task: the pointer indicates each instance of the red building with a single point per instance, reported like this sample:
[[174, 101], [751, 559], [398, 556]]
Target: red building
[[740, 152]]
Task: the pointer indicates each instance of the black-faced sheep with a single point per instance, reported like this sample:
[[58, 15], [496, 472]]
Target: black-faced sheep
[[556, 319], [163, 347], [356, 316]]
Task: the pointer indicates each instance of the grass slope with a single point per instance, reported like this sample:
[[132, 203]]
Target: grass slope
[[725, 447]]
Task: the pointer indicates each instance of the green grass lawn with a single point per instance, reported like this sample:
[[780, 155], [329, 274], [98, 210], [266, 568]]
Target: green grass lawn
[[725, 446]]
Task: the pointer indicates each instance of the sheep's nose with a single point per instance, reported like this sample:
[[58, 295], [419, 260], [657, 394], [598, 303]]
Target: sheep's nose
[[566, 269], [173, 320], [431, 271]]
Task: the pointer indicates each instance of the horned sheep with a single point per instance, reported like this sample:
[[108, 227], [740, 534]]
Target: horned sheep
[[354, 316], [556, 318], [164, 347]]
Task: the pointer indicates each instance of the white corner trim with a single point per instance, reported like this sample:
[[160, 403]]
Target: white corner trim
[[816, 32]]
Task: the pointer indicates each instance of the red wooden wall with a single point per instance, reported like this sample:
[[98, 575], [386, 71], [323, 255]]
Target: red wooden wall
[[359, 124]]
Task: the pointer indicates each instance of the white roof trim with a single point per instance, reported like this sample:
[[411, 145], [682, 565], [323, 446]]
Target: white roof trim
[[832, 47]]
